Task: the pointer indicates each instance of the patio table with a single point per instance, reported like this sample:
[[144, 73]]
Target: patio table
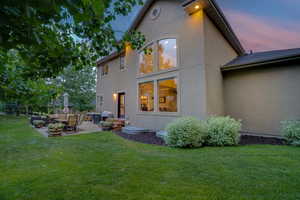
[[96, 117]]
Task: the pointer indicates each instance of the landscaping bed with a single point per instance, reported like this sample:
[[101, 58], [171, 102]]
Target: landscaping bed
[[146, 138], [151, 138]]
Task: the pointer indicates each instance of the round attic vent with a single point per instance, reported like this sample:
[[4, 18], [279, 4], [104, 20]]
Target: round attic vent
[[155, 13]]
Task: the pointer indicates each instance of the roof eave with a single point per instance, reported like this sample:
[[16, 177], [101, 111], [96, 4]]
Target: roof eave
[[217, 16], [250, 65], [132, 27], [214, 13]]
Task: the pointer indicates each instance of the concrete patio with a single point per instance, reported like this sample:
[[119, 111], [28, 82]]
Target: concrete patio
[[85, 128]]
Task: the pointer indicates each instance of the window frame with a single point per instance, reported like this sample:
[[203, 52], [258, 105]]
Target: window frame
[[123, 57], [156, 70], [158, 94], [153, 58], [103, 74], [156, 79], [139, 99], [157, 62]]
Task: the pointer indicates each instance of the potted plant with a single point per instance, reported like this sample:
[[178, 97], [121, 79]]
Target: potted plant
[[106, 125], [38, 123], [55, 129]]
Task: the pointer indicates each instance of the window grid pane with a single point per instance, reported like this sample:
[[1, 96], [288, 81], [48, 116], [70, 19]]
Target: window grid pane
[[167, 95], [122, 62], [146, 96], [167, 54], [146, 61]]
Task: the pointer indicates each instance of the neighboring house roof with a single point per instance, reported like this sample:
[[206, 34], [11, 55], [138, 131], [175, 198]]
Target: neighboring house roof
[[262, 58], [211, 9]]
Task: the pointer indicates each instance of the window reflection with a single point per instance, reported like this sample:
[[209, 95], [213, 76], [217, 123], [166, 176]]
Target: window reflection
[[167, 90], [146, 61], [167, 54], [146, 96]]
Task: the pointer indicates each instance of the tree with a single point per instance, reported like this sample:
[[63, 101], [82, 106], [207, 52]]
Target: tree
[[53, 34], [80, 85], [14, 89]]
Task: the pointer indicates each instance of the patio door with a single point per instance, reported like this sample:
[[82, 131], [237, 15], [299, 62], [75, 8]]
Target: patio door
[[121, 105]]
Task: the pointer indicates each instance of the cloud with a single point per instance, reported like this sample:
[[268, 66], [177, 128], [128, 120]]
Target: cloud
[[259, 34]]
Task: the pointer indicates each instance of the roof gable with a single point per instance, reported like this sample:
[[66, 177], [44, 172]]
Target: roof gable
[[212, 10]]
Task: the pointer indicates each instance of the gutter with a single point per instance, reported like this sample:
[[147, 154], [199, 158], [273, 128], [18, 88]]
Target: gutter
[[235, 41], [255, 64]]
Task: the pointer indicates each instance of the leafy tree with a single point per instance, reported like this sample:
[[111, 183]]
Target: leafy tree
[[23, 92], [80, 85], [53, 34]]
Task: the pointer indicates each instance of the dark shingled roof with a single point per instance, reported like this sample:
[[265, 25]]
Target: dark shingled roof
[[262, 58]]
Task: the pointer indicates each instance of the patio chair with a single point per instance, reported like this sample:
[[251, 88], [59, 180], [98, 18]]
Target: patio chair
[[81, 118], [72, 123]]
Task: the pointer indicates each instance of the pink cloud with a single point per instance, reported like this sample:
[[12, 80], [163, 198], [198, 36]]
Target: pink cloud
[[262, 35]]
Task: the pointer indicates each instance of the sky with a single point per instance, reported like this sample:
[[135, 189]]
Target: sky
[[261, 25]]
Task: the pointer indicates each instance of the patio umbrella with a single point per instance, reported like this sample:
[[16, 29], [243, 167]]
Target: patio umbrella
[[66, 103]]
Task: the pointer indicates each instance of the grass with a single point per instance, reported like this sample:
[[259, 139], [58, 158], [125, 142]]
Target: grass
[[105, 166]]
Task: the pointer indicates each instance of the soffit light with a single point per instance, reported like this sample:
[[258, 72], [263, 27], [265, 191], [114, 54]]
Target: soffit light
[[193, 7]]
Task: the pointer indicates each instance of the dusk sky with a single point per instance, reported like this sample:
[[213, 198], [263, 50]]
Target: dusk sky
[[261, 25]]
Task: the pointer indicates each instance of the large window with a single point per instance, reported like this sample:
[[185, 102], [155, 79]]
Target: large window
[[146, 61], [167, 94], [167, 54], [146, 96]]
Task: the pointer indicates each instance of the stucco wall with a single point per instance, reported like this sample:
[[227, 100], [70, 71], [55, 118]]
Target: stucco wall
[[188, 30], [217, 53], [263, 97]]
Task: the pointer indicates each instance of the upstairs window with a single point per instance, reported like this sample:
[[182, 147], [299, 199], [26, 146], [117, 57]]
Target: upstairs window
[[122, 63], [104, 70], [146, 63], [167, 54]]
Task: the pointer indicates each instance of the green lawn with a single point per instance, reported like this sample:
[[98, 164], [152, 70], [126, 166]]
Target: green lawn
[[105, 166]]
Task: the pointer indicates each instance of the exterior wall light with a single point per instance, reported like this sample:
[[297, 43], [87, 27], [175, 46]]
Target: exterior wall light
[[115, 95], [192, 6]]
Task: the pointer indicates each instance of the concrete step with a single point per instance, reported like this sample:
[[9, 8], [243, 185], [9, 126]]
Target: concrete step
[[134, 130]]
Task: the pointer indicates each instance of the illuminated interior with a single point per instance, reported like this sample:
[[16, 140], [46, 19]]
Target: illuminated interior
[[167, 90], [146, 96]]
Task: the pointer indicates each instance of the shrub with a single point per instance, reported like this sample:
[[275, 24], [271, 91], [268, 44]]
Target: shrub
[[38, 123], [186, 132], [291, 131], [106, 124], [223, 131], [56, 126]]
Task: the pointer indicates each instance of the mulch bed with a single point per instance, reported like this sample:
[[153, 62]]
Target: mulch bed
[[146, 138], [249, 139], [150, 138]]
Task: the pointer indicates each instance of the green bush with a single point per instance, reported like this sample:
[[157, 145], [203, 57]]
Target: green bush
[[291, 131], [223, 131], [55, 126], [106, 123], [38, 123], [186, 132]]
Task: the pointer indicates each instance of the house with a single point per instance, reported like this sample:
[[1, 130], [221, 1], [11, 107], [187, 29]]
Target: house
[[196, 66]]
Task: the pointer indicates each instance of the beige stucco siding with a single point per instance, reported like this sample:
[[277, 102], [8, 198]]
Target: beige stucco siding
[[173, 22], [263, 97], [217, 53]]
